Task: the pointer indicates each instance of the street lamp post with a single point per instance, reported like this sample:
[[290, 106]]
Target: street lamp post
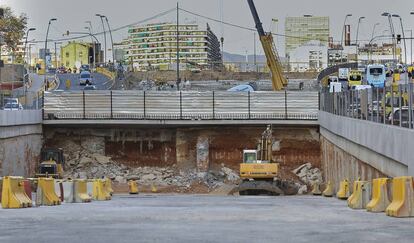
[[343, 33], [388, 15], [356, 39], [112, 41], [25, 43], [403, 35], [373, 30], [94, 45], [47, 33], [104, 31]]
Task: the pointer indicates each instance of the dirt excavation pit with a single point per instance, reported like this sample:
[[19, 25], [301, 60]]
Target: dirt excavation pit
[[186, 161]]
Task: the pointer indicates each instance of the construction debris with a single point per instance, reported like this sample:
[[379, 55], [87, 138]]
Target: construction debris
[[308, 174]]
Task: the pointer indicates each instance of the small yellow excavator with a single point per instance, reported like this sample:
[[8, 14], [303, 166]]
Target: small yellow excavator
[[259, 172], [51, 163]]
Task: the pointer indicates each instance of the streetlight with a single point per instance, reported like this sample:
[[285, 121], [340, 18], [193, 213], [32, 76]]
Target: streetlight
[[47, 33], [25, 43], [388, 15], [112, 41], [356, 39], [103, 28], [343, 33], [373, 29], [403, 35]]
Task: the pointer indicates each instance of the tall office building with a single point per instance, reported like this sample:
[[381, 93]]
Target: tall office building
[[301, 30], [154, 46]]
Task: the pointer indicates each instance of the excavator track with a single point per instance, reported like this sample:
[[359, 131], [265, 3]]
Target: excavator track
[[267, 187]]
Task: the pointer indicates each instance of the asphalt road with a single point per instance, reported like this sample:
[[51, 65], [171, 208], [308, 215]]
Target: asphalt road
[[99, 80], [203, 218]]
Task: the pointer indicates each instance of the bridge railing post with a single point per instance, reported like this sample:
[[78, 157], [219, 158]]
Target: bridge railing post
[[286, 111], [248, 104], [145, 106], [83, 105], [112, 116], [214, 105], [410, 105]]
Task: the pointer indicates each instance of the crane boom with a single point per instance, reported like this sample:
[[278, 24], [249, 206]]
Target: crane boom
[[273, 62]]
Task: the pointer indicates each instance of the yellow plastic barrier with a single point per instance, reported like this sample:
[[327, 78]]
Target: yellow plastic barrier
[[108, 186], [380, 200], [315, 189], [360, 196], [133, 187], [402, 204], [329, 190], [46, 194], [343, 192], [13, 194], [80, 191], [59, 189], [99, 191], [154, 188]]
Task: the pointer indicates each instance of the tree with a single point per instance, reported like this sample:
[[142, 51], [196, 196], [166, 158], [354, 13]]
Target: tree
[[12, 28]]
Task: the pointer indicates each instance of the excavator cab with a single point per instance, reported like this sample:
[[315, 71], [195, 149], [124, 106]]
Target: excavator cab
[[51, 163]]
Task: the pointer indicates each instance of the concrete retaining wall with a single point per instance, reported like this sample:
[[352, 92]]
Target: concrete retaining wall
[[20, 142], [381, 149]]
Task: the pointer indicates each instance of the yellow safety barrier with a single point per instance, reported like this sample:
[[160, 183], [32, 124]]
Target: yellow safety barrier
[[315, 189], [99, 191], [80, 191], [343, 192], [154, 188], [380, 200], [402, 204], [133, 187], [13, 193], [360, 196], [329, 190], [59, 189], [46, 194], [108, 186]]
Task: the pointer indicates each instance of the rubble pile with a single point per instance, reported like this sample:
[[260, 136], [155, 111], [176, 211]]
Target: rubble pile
[[308, 175], [85, 165]]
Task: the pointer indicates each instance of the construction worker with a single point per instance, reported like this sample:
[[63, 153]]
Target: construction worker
[[68, 84]]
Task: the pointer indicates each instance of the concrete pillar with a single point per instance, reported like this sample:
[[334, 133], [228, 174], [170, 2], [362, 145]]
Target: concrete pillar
[[203, 156], [185, 151]]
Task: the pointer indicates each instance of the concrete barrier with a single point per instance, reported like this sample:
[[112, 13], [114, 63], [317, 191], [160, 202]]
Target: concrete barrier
[[360, 196], [316, 189], [402, 204], [69, 196], [59, 190], [380, 200]]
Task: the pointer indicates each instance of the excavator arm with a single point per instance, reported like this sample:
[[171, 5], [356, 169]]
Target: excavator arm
[[272, 57]]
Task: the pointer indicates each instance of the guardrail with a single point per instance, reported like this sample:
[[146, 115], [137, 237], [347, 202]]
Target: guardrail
[[153, 105], [106, 72]]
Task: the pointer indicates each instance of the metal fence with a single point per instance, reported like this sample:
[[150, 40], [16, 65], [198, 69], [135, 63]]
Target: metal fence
[[295, 105], [26, 100], [390, 105]]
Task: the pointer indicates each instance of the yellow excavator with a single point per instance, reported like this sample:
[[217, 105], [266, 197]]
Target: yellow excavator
[[259, 172], [279, 82]]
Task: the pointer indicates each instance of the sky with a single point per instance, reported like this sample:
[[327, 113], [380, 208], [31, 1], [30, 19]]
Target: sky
[[72, 15]]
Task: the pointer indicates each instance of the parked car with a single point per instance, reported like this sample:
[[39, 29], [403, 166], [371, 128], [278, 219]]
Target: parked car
[[85, 77], [12, 107], [61, 70]]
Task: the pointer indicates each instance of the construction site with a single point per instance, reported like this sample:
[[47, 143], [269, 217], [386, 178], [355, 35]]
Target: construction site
[[171, 144]]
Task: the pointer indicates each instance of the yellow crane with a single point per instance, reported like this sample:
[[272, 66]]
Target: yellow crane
[[279, 82]]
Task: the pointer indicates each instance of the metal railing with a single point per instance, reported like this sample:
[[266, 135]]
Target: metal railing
[[153, 105], [390, 105]]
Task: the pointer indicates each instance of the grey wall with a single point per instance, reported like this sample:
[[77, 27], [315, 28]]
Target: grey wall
[[20, 142], [389, 149]]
